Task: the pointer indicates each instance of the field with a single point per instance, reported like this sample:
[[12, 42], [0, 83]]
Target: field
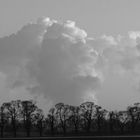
[[79, 138]]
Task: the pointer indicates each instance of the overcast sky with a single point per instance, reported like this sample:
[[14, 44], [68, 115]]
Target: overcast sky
[[96, 57], [95, 16]]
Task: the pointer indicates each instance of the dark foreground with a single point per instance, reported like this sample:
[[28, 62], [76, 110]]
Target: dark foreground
[[79, 138]]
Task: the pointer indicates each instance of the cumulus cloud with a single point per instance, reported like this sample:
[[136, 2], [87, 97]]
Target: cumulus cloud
[[50, 59], [53, 61], [65, 68]]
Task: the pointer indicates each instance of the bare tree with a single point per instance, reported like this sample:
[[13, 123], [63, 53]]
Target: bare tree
[[100, 115], [75, 117], [3, 119], [39, 120], [122, 118], [28, 109], [63, 114], [134, 115], [13, 110], [88, 112], [112, 121], [51, 119]]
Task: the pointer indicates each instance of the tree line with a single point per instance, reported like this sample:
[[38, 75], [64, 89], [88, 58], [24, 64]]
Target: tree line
[[20, 118]]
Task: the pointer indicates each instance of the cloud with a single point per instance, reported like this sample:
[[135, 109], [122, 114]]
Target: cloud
[[52, 61], [119, 64], [65, 68], [49, 59]]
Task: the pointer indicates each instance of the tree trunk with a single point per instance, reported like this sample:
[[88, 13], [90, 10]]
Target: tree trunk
[[52, 129], [14, 128], [40, 126], [40, 132], [122, 129], [76, 129], [64, 130], [2, 130], [28, 127], [28, 132], [111, 128], [88, 127], [15, 132], [133, 127], [99, 126]]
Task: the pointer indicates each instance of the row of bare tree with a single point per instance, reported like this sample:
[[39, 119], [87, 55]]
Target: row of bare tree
[[88, 118]]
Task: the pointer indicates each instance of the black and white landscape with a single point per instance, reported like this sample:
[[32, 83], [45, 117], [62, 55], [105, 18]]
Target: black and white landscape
[[70, 69]]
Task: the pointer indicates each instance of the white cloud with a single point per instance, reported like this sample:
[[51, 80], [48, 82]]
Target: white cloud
[[55, 61]]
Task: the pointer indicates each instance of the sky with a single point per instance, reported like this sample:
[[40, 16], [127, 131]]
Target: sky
[[85, 50], [97, 17]]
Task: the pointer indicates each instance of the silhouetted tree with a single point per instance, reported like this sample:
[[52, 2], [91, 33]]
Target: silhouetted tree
[[2, 120], [63, 114], [134, 115], [39, 120], [13, 111], [112, 121], [122, 119], [100, 114], [28, 109], [75, 117], [88, 112], [51, 120], [67, 118]]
